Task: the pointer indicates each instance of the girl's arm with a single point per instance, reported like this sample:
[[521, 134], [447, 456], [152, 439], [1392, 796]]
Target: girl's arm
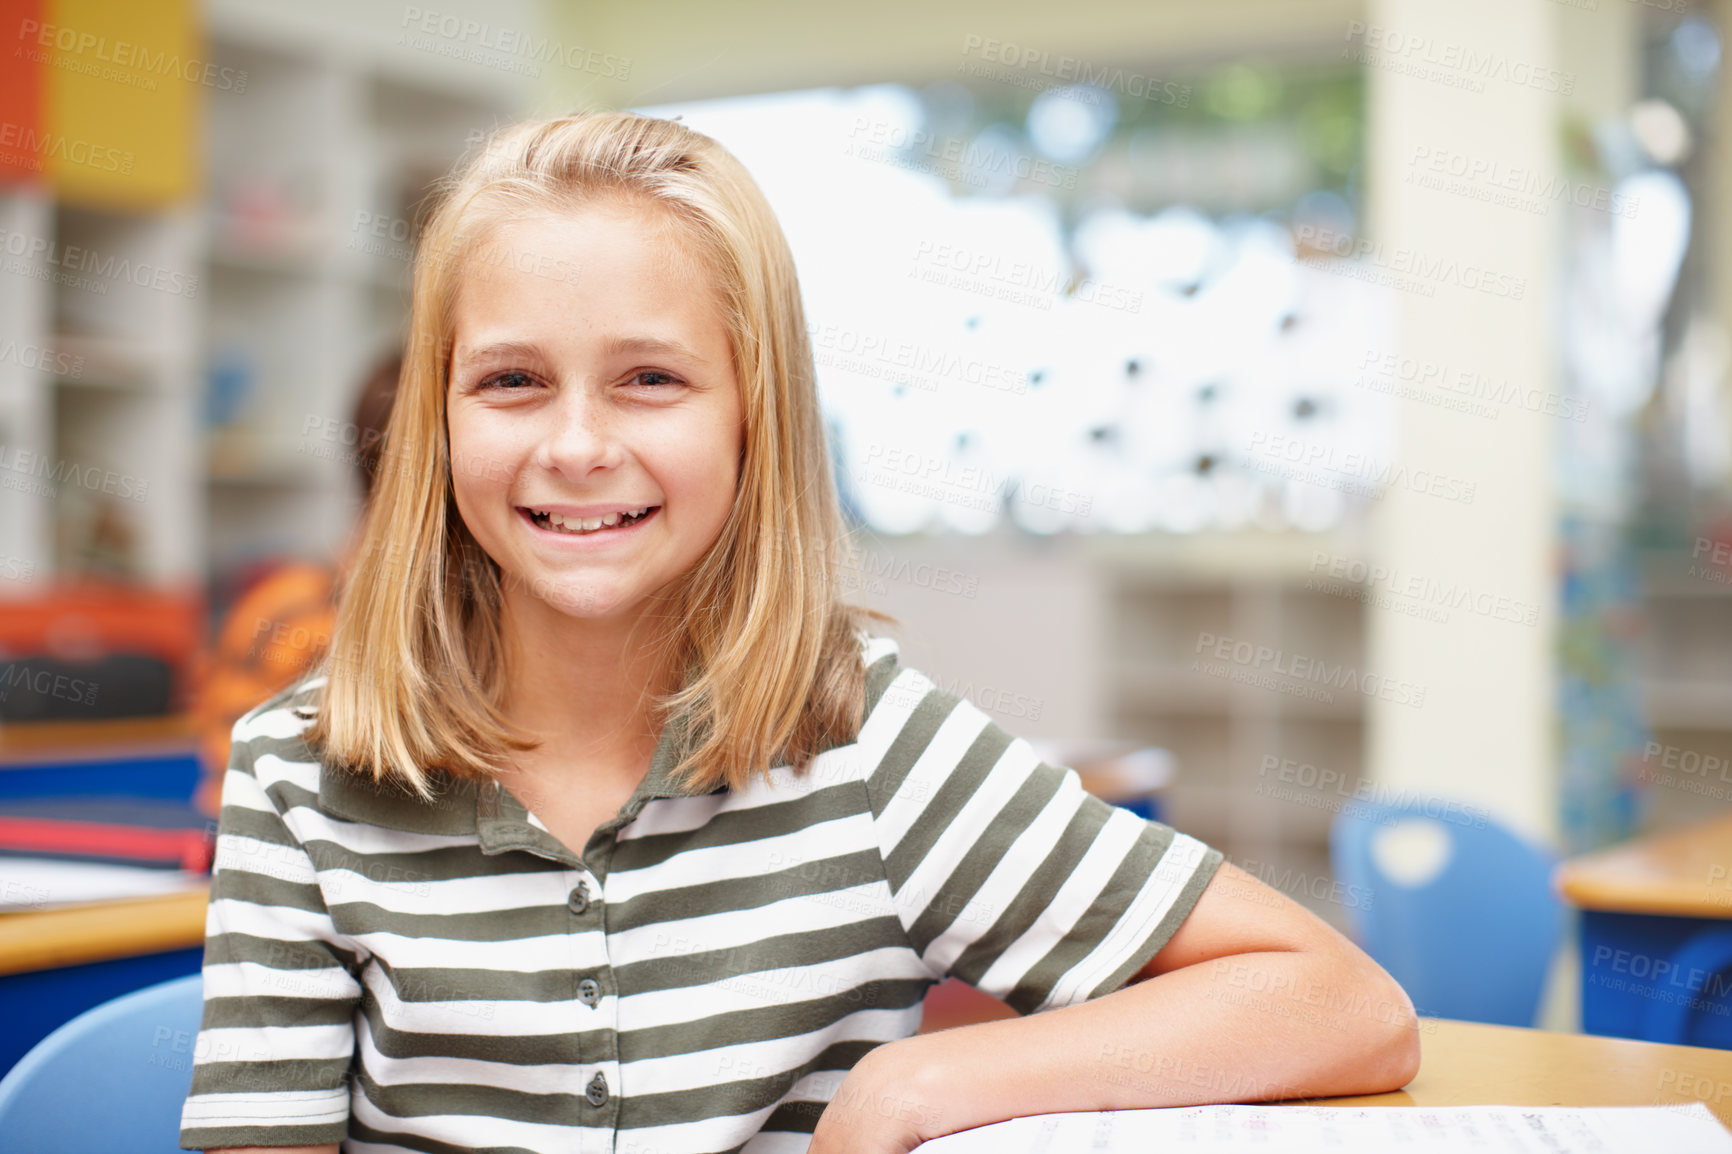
[[1255, 998], [270, 940]]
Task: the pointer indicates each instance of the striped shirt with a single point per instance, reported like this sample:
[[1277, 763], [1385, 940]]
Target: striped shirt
[[396, 975]]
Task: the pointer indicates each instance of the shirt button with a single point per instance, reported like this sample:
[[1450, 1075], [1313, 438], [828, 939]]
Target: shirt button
[[597, 1092], [579, 899], [589, 990]]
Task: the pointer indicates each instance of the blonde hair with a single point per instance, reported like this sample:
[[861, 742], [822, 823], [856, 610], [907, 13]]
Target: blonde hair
[[771, 655]]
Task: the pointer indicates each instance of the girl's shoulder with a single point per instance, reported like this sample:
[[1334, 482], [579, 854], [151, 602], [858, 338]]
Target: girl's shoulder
[[892, 687], [269, 749], [903, 712], [271, 746], [894, 690], [882, 657], [281, 719]]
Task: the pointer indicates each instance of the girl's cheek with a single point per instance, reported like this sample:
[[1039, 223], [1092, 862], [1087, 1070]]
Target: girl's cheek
[[700, 452], [478, 459], [468, 468]]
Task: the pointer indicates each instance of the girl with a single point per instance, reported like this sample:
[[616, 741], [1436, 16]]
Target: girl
[[607, 827]]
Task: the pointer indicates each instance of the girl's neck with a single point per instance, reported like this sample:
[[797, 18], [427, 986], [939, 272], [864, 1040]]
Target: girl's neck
[[586, 688]]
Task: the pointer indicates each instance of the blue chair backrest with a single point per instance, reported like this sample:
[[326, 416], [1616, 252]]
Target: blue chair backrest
[[112, 1079], [1707, 952], [1475, 940]]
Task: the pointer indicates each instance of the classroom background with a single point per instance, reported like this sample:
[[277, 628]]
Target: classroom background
[[1308, 418]]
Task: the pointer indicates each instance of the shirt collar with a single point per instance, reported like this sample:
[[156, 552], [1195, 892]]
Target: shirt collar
[[483, 808]]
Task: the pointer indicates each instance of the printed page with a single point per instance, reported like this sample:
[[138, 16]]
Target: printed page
[[1354, 1130]]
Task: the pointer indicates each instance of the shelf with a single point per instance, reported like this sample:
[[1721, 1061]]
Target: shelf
[[1675, 585], [1213, 558], [265, 478], [239, 456], [1162, 688], [109, 363], [380, 266], [289, 261], [1679, 703], [270, 472]]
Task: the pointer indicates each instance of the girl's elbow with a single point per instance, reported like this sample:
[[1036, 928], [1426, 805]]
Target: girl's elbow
[[1408, 1067], [1392, 1052], [1375, 1027]]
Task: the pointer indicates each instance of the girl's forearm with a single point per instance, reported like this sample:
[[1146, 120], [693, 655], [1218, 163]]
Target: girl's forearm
[[1249, 1027]]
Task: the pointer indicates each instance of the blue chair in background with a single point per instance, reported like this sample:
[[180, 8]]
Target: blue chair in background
[[1687, 1018], [1474, 939], [110, 1081]]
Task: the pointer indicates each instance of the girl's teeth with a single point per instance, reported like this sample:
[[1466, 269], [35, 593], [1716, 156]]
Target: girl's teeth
[[590, 524]]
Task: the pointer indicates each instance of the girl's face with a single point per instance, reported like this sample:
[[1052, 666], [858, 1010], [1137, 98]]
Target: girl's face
[[594, 416]]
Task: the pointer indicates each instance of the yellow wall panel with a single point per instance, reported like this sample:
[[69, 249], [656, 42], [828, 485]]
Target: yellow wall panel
[[124, 82]]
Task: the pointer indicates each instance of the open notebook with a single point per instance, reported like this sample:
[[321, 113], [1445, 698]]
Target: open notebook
[[1680, 1129]]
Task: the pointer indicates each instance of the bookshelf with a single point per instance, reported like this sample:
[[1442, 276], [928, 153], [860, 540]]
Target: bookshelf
[[314, 176], [100, 338], [1094, 638], [1205, 635], [164, 352]]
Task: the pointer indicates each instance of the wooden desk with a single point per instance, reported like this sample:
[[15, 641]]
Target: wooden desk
[[1463, 1063], [57, 963], [1470, 1064], [1685, 872], [47, 939], [1643, 903]]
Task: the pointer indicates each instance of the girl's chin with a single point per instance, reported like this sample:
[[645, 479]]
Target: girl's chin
[[570, 599]]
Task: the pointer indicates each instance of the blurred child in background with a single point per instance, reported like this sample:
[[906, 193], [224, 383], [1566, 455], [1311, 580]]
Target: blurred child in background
[[280, 625]]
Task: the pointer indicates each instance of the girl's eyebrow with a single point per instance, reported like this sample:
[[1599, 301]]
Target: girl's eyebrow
[[504, 350], [651, 345], [518, 349]]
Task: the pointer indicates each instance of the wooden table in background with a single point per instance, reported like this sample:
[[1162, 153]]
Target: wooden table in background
[[1641, 903], [1684, 872], [57, 963], [33, 940]]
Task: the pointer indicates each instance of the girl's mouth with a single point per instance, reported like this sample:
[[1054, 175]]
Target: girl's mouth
[[588, 526]]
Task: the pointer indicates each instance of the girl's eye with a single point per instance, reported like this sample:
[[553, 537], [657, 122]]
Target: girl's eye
[[656, 377], [508, 381]]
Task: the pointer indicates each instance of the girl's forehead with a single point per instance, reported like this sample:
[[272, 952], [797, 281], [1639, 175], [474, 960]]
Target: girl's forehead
[[557, 241], [627, 271], [608, 214]]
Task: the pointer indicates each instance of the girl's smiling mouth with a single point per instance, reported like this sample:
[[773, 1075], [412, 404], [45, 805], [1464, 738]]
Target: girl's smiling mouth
[[572, 523]]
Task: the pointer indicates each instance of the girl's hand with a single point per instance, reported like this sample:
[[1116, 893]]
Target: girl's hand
[[886, 1105]]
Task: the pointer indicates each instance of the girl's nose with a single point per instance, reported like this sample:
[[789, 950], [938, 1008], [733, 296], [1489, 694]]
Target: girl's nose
[[582, 436]]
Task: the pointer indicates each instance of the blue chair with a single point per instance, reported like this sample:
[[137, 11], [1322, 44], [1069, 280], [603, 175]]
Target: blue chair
[[1708, 953], [1475, 940], [112, 1079]]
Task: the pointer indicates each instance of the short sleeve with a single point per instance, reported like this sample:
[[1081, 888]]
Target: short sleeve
[[271, 1062], [1005, 872]]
